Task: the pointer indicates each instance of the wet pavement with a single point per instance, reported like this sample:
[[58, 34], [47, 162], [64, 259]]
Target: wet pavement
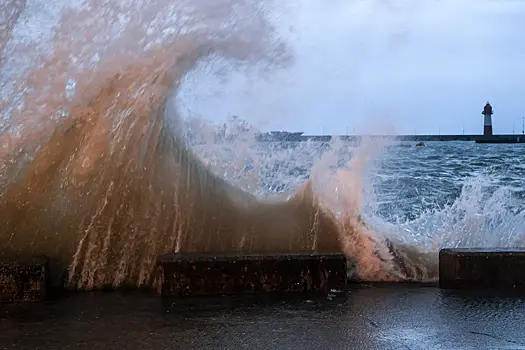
[[367, 317]]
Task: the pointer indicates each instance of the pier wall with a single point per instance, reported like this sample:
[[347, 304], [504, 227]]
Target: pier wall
[[326, 138]]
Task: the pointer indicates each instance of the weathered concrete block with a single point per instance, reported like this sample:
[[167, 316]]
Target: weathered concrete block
[[226, 274], [23, 279], [463, 268]]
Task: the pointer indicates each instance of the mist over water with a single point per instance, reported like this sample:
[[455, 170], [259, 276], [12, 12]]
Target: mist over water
[[99, 171]]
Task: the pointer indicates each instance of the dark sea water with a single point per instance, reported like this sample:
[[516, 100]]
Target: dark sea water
[[454, 193], [433, 177], [467, 193]]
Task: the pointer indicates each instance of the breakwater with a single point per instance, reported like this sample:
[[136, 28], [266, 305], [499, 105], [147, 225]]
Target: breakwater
[[504, 138]]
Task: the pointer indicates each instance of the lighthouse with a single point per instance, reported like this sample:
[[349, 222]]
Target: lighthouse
[[487, 124]]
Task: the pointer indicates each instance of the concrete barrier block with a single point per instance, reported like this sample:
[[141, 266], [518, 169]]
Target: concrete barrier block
[[23, 279], [185, 274], [465, 268]]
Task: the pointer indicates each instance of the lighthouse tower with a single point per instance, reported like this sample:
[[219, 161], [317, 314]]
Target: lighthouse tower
[[487, 124]]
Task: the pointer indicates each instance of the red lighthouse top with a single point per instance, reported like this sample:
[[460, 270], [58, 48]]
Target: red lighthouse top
[[487, 110]]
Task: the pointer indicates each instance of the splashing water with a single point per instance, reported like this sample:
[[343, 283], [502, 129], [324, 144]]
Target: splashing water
[[93, 174], [99, 172]]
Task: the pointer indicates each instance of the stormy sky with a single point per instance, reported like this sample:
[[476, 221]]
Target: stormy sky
[[404, 66]]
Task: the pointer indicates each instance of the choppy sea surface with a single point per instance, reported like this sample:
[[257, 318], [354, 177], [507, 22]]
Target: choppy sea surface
[[448, 193]]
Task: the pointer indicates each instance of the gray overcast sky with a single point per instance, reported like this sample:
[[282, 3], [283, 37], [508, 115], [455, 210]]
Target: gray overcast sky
[[403, 66]]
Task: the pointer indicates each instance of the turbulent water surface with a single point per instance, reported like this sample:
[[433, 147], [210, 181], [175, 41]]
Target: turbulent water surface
[[100, 172]]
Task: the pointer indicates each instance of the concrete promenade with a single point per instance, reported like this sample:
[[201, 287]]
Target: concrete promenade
[[367, 317]]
